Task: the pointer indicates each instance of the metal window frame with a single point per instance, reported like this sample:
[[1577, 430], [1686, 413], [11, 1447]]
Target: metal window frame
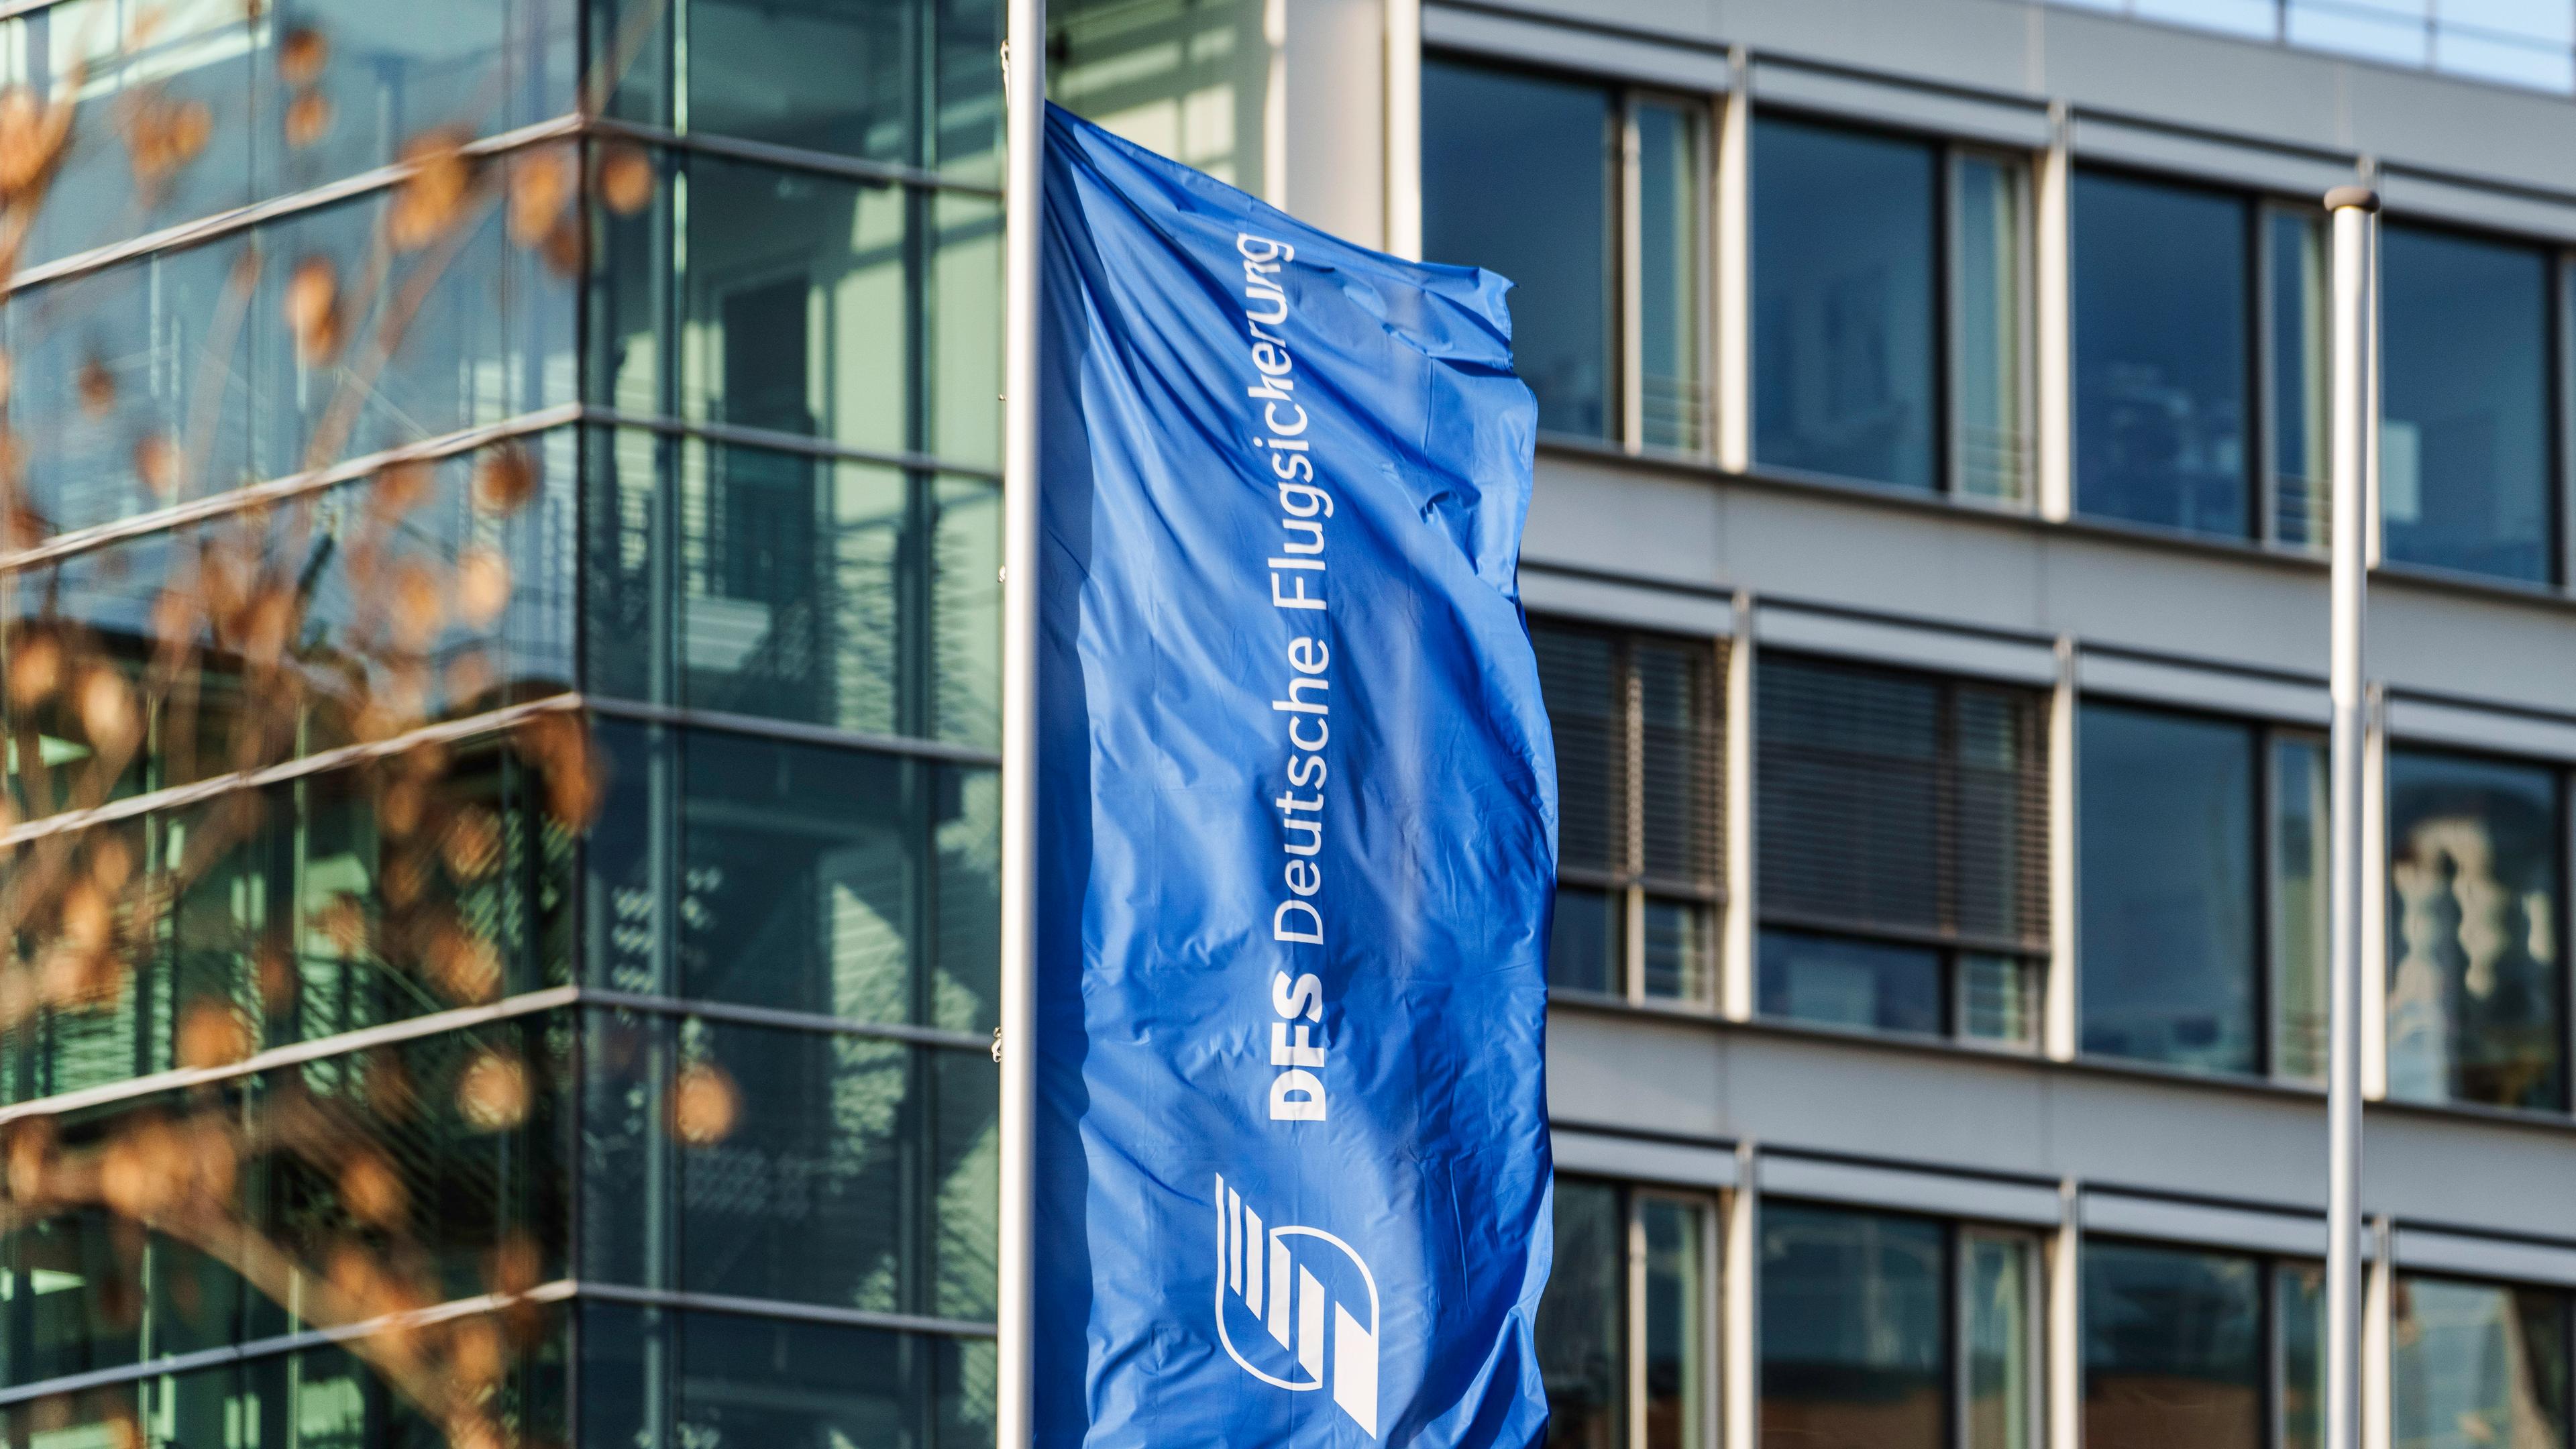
[[2030, 1244], [1708, 1211], [1699, 113]]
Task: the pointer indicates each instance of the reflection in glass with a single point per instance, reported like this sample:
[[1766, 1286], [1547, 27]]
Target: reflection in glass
[[2000, 1277], [1993, 440], [200, 358], [1583, 946], [2464, 470], [718, 1378], [2161, 365], [2168, 888], [812, 878], [2300, 901], [1855, 1330], [2173, 1349], [1843, 300], [2295, 252], [2477, 1364], [343, 673], [1516, 178], [2474, 861], [825, 591], [902, 82], [1671, 201], [388, 79], [2301, 1306], [1581, 1345], [1838, 981], [867, 316], [1679, 1302]]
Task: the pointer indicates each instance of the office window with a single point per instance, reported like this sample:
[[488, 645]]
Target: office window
[[1903, 830], [2474, 1364], [2475, 857], [1850, 309], [2184, 297], [2465, 475], [2163, 358], [2173, 1348], [1638, 721], [1591, 199], [2214, 1350], [1881, 1332], [1633, 1268], [2180, 815]]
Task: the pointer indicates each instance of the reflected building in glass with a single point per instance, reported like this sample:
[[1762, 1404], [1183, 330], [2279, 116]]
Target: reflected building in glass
[[500, 642]]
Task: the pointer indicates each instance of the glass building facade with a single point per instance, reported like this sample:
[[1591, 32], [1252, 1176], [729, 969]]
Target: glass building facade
[[499, 619]]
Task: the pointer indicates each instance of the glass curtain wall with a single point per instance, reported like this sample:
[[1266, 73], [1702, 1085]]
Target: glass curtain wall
[[791, 632], [1871, 361]]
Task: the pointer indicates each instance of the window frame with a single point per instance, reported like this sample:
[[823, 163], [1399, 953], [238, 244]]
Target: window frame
[[2271, 1323], [2034, 959], [2379, 876], [1948, 152], [1632, 888], [1623, 287], [2266, 737], [1711, 1207], [2558, 407]]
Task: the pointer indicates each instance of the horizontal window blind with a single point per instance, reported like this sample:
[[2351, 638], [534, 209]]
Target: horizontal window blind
[[1901, 804], [1639, 756]]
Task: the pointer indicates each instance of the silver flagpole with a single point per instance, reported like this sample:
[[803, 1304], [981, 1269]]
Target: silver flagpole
[[2355, 213], [1024, 106]]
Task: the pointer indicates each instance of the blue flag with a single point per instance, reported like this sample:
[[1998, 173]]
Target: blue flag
[[1298, 833]]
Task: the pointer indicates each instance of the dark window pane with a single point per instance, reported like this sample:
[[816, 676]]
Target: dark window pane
[[1855, 1330], [2168, 877], [1583, 947], [1843, 290], [802, 878], [749, 1380], [2464, 476], [1581, 1338], [2476, 1364], [2161, 366], [2474, 864], [1516, 179], [1845, 982], [2173, 1349]]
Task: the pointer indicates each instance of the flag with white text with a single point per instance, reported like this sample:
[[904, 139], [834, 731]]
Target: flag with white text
[[1298, 830]]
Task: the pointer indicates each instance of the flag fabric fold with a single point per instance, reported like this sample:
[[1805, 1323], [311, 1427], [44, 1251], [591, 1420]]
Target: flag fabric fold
[[1298, 827]]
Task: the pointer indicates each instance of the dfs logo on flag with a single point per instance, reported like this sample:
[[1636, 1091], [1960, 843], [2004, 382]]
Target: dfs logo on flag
[[1284, 1283]]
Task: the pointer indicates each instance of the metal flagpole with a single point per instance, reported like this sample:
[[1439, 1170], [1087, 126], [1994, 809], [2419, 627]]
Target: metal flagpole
[[1024, 107], [2355, 213]]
